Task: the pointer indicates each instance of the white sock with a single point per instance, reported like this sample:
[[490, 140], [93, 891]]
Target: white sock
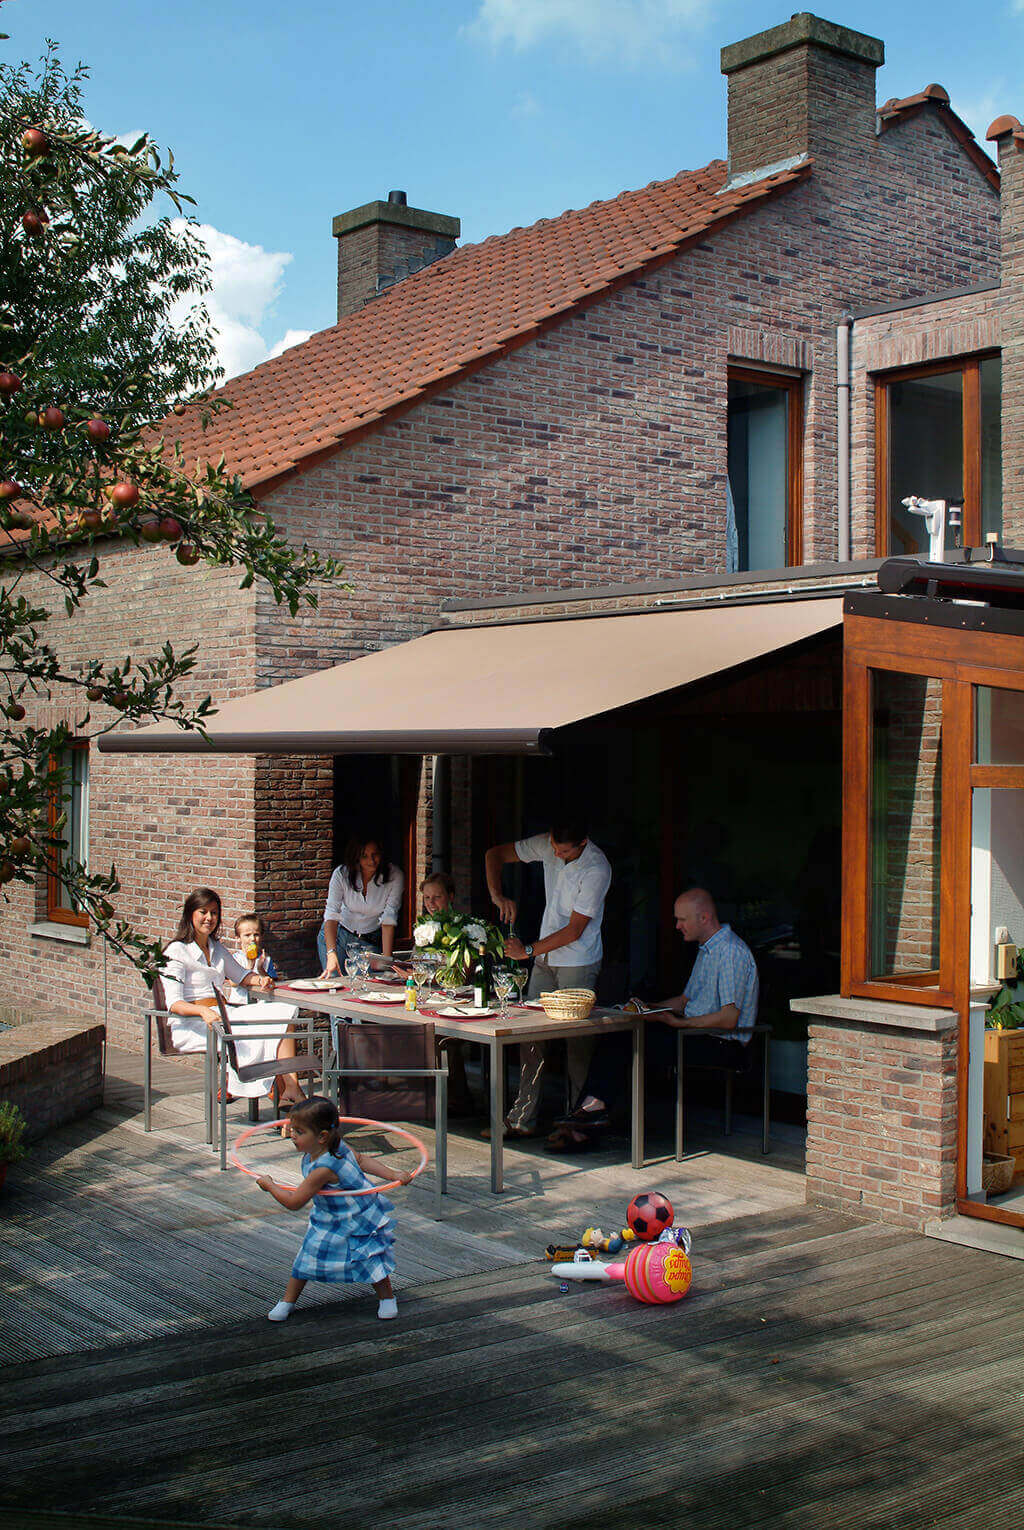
[[280, 1312], [387, 1307]]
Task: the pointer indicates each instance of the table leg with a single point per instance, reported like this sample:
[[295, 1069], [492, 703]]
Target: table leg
[[639, 1054], [680, 1124], [441, 1138], [497, 1114], [766, 1097], [223, 1107], [147, 1075]]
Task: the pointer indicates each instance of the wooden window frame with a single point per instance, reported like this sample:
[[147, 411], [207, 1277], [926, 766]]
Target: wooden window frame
[[792, 383], [970, 367], [55, 912]]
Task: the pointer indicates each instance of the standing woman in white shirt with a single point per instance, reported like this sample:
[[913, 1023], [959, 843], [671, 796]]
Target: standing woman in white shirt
[[196, 966], [363, 899]]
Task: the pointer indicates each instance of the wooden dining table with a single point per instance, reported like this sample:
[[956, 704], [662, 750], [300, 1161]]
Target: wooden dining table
[[495, 1032]]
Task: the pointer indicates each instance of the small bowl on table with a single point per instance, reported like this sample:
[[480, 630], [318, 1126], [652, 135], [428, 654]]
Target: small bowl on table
[[568, 1003]]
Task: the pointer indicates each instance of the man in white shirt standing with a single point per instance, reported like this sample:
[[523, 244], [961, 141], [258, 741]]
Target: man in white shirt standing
[[567, 953]]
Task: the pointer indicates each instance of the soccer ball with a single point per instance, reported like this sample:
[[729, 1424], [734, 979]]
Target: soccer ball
[[649, 1214]]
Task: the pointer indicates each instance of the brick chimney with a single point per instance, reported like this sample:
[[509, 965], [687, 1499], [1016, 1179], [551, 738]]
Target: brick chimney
[[380, 243], [805, 87], [1008, 135]]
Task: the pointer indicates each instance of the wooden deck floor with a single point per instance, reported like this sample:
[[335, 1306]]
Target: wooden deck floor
[[820, 1373]]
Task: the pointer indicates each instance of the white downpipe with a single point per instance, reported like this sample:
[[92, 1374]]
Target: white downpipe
[[843, 333]]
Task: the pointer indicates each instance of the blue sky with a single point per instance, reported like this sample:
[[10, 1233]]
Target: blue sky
[[498, 111]]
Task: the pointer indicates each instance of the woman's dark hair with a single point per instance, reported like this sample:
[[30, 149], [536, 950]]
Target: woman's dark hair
[[440, 879], [355, 848], [202, 897], [318, 1114]]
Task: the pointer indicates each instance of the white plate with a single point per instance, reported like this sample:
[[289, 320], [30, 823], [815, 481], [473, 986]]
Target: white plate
[[468, 1012], [532, 1004], [308, 983], [396, 996]]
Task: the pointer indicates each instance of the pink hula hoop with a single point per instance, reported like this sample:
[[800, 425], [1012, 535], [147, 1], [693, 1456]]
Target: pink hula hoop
[[392, 1184]]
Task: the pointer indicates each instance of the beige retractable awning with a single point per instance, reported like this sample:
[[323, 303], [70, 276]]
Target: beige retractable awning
[[491, 690]]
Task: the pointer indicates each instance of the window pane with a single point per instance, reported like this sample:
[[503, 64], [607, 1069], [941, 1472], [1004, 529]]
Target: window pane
[[758, 476], [926, 455], [999, 727], [991, 447], [906, 822], [74, 801]]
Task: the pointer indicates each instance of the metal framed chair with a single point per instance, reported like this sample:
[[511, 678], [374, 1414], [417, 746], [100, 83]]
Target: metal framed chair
[[225, 1033], [762, 1029], [438, 1075], [158, 1016]]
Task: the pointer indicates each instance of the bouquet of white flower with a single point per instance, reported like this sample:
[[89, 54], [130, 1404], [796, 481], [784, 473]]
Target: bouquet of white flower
[[456, 939]]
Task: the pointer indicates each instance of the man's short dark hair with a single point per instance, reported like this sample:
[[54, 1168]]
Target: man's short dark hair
[[569, 829]]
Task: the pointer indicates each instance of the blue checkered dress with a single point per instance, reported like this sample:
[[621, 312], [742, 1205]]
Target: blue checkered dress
[[349, 1237]]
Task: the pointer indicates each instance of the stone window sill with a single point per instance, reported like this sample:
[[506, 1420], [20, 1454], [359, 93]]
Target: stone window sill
[[69, 934]]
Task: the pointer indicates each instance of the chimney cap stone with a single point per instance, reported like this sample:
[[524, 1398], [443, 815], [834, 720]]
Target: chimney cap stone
[[801, 29], [1001, 127], [396, 212]]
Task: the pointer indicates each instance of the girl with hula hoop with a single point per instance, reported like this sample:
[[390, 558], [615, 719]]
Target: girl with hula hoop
[[350, 1236]]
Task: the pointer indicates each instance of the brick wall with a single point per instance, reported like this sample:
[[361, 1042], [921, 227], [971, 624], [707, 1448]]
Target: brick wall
[[52, 1071], [167, 822], [1011, 164], [881, 1121], [954, 327]]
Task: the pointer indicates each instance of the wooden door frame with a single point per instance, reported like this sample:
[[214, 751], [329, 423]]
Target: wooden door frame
[[961, 661], [792, 384], [970, 368]]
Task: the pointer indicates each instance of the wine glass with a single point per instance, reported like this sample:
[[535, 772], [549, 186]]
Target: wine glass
[[504, 987], [519, 976], [352, 968], [363, 958]]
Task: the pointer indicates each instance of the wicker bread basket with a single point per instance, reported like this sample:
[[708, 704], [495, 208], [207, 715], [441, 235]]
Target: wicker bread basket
[[996, 1173], [568, 1003]]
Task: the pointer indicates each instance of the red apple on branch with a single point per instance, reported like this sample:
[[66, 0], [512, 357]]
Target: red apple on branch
[[35, 143], [124, 495], [90, 520], [97, 430], [9, 489], [34, 222], [52, 418], [149, 529], [9, 383], [187, 554], [15, 711], [170, 529]]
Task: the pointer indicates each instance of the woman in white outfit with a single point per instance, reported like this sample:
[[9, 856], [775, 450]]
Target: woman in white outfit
[[363, 899], [196, 965]]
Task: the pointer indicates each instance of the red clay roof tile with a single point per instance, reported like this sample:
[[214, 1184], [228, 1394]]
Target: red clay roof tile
[[430, 326]]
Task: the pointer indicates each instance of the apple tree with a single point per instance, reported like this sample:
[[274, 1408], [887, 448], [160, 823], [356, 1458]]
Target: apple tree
[[103, 336]]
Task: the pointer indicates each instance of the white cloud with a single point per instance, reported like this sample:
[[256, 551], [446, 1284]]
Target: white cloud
[[980, 111], [627, 29], [247, 281], [291, 337]]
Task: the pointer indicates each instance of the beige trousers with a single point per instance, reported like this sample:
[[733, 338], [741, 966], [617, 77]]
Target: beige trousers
[[533, 1054]]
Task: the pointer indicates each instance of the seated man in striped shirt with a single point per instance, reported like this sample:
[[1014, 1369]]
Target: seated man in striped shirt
[[721, 996]]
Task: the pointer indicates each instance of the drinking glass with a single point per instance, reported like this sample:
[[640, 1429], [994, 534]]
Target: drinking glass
[[519, 976], [504, 986], [352, 968]]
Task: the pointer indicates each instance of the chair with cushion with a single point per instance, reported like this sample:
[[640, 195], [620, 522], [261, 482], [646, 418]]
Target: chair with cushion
[[226, 1031]]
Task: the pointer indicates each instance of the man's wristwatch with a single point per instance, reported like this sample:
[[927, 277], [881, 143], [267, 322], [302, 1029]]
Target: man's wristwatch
[[529, 952]]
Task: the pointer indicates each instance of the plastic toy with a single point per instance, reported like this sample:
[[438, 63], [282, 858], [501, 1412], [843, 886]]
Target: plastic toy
[[561, 1252], [653, 1272], [680, 1236], [388, 1126], [607, 1243], [649, 1214]]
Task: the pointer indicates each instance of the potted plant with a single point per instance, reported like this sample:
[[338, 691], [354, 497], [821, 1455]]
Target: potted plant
[[12, 1130], [456, 939]]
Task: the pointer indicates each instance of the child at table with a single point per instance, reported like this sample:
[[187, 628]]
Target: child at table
[[350, 1237], [250, 932]]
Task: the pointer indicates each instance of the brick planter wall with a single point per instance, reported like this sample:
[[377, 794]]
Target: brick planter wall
[[53, 1071], [881, 1109]]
